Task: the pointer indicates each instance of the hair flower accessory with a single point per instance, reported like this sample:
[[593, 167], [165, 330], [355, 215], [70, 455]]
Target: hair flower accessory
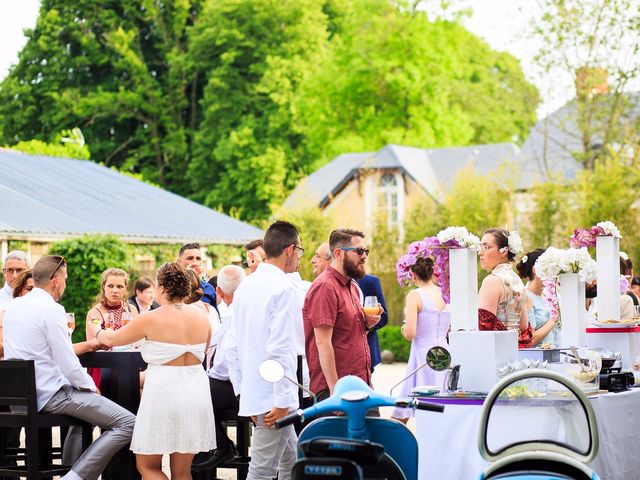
[[524, 259], [515, 242]]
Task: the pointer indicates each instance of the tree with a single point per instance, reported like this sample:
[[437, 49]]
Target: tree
[[116, 69], [394, 76], [594, 43], [547, 225], [253, 55]]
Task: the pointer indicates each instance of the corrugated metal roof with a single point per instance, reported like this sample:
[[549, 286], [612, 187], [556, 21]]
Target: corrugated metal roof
[[52, 198], [433, 169]]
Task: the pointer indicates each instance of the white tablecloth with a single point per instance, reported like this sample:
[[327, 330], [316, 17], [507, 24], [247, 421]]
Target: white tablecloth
[[449, 448]]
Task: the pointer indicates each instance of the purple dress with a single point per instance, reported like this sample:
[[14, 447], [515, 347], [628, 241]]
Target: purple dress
[[432, 327]]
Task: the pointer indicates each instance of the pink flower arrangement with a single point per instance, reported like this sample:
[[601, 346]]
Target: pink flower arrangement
[[586, 237], [550, 295], [431, 247]]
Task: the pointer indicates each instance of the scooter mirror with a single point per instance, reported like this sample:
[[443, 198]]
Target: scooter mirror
[[271, 370], [438, 358]]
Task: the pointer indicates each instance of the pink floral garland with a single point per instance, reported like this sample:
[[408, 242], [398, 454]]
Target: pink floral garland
[[586, 237], [428, 247]]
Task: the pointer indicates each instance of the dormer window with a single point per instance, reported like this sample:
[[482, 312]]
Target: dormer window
[[389, 194]]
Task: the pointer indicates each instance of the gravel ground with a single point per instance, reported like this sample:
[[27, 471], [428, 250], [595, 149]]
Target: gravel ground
[[384, 377]]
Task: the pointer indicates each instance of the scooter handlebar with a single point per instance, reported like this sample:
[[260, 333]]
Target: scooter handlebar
[[289, 419], [432, 407]]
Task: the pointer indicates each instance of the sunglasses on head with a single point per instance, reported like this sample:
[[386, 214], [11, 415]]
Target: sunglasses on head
[[60, 263]]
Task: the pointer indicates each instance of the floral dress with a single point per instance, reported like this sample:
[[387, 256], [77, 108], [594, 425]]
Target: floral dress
[[512, 304]]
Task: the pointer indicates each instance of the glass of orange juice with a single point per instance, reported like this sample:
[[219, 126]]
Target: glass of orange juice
[[71, 323], [371, 305]]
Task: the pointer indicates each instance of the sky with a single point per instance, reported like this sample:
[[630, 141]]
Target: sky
[[499, 22]]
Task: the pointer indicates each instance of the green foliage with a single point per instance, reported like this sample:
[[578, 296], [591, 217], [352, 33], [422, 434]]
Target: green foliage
[[230, 102], [475, 201], [385, 251], [87, 257], [394, 76], [67, 144], [253, 55], [391, 338], [547, 224], [314, 228]]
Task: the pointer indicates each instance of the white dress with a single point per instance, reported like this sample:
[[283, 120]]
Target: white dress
[[176, 413]]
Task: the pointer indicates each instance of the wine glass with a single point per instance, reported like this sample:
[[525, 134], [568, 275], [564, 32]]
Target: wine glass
[[71, 322], [109, 320], [126, 318], [371, 305]]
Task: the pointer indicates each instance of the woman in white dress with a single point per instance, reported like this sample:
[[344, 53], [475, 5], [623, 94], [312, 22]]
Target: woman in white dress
[[175, 415]]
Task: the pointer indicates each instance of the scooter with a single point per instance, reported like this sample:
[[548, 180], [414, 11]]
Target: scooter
[[552, 445], [352, 446]]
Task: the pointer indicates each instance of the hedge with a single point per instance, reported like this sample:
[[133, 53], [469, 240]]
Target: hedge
[[391, 339]]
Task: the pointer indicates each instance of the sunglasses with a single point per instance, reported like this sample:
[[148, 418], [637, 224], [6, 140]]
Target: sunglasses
[[359, 251], [60, 263]]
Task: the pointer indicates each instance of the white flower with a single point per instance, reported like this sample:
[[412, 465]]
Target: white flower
[[515, 242], [624, 255], [460, 235], [555, 261], [524, 259], [610, 229]]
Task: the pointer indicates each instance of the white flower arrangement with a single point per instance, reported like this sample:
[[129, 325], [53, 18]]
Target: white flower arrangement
[[609, 228], [461, 235], [555, 261], [515, 242]]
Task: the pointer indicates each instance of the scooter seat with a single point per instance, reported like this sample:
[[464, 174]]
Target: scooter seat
[[538, 469], [360, 451]]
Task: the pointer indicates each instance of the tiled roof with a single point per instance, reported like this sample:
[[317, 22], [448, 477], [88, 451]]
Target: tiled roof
[[433, 169]]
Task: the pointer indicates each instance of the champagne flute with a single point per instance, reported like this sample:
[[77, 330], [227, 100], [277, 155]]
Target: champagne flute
[[108, 320], [371, 305], [71, 322]]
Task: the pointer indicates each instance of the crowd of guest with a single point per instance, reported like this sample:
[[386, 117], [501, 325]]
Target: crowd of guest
[[204, 341]]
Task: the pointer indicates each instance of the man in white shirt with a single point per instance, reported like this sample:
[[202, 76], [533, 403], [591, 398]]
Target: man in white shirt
[[264, 316], [223, 395], [15, 263], [35, 328]]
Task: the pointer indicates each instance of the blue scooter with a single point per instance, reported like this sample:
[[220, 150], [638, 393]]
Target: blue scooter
[[555, 444], [353, 446]]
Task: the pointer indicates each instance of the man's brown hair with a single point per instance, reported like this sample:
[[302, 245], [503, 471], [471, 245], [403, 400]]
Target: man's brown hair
[[46, 268], [342, 237], [253, 244]]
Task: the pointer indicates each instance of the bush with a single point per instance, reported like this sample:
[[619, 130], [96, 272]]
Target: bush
[[87, 257], [391, 338]]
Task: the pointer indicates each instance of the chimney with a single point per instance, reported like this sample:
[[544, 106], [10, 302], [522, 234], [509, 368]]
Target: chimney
[[591, 81]]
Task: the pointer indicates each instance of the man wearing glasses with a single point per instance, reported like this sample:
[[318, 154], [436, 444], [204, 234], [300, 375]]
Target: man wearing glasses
[[35, 328], [335, 325], [15, 263], [264, 316]]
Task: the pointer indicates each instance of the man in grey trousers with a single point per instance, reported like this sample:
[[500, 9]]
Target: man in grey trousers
[[35, 328]]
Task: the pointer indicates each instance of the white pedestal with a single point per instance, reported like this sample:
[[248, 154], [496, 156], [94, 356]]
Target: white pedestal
[[608, 258], [480, 354], [463, 272], [572, 310], [626, 341]]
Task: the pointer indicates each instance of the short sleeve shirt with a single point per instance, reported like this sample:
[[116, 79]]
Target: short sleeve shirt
[[333, 300]]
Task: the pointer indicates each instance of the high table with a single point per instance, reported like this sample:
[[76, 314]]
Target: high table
[[123, 387], [449, 441]]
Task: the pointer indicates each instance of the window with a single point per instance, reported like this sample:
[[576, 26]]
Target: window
[[389, 192]]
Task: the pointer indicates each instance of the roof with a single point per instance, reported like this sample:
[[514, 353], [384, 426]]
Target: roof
[[51, 199], [550, 147], [433, 169]]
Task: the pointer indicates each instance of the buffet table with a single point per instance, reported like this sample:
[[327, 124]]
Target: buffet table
[[449, 441]]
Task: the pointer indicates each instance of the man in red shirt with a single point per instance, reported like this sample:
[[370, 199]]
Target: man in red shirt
[[335, 327]]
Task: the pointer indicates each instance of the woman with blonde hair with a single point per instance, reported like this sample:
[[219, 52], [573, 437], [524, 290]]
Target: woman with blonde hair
[[112, 310]]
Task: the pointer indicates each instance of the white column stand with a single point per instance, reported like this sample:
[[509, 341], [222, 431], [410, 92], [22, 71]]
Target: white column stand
[[572, 310], [463, 273], [608, 258]]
